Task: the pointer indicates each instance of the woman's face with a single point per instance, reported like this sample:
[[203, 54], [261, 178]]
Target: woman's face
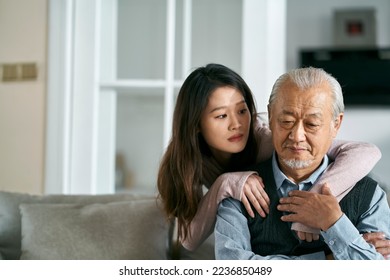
[[225, 123]]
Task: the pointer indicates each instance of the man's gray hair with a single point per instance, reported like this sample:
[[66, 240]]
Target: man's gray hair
[[308, 77]]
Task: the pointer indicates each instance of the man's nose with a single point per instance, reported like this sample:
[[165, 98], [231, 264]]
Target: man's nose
[[298, 133]]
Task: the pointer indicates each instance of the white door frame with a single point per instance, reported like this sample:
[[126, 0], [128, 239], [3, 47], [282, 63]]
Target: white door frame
[[80, 120]]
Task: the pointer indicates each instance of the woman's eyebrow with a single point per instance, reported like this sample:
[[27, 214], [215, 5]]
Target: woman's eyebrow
[[223, 107]]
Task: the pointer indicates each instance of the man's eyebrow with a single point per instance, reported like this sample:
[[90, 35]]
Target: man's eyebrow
[[315, 115], [223, 107], [285, 112]]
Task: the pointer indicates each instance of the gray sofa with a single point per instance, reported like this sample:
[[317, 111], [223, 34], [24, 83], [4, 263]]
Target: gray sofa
[[106, 227], [117, 226], [125, 226]]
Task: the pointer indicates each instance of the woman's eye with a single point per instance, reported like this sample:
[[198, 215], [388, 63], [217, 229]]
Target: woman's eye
[[221, 116], [243, 111]]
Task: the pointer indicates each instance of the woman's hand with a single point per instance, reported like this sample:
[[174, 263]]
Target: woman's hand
[[254, 194], [307, 236], [378, 239]]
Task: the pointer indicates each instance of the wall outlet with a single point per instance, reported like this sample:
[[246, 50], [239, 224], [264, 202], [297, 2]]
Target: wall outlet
[[10, 72], [19, 72], [29, 71]]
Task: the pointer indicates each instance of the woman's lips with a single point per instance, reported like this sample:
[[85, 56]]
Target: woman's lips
[[236, 138]]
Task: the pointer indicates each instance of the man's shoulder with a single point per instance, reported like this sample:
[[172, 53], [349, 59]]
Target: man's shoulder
[[368, 180], [231, 206], [231, 202], [358, 200], [365, 188]]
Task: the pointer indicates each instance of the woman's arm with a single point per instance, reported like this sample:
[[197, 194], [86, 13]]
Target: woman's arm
[[263, 138], [202, 225], [352, 161]]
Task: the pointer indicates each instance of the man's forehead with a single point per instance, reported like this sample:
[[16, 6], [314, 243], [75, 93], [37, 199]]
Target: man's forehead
[[310, 113], [315, 97]]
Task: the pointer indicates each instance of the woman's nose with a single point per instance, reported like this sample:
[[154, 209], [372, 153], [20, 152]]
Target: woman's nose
[[234, 123]]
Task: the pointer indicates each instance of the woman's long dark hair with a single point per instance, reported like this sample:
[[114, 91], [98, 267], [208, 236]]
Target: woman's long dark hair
[[181, 173]]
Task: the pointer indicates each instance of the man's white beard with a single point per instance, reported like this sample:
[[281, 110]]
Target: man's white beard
[[297, 164]]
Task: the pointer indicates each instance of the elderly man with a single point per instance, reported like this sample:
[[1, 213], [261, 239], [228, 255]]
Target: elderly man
[[305, 113]]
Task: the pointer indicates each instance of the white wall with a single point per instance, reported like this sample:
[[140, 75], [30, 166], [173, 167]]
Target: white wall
[[22, 104], [309, 24]]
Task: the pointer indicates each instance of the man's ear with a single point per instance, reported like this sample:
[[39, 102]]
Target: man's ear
[[337, 123]]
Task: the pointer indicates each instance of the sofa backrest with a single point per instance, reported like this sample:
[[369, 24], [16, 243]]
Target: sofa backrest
[[23, 215]]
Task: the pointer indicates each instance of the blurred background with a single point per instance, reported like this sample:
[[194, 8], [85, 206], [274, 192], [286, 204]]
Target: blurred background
[[87, 88]]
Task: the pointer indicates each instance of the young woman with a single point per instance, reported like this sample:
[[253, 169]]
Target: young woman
[[216, 130]]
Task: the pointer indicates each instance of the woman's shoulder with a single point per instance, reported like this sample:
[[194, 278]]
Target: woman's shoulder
[[263, 137], [261, 124]]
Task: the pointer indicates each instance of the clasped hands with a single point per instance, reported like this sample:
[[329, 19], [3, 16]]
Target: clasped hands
[[322, 211], [311, 209], [303, 209]]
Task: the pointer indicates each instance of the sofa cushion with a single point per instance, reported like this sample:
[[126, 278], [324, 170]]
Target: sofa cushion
[[204, 252], [10, 219], [118, 230]]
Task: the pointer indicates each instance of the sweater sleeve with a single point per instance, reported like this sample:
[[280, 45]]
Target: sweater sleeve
[[263, 138], [202, 225], [352, 161]]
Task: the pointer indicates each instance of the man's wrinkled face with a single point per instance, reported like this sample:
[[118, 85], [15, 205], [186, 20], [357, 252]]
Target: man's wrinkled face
[[303, 127]]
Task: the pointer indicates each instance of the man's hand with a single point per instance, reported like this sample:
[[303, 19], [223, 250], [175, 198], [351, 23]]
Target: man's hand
[[254, 194], [311, 209]]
